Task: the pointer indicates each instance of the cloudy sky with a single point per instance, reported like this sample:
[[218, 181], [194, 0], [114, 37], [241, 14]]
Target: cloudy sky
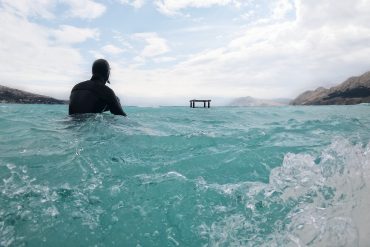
[[169, 51]]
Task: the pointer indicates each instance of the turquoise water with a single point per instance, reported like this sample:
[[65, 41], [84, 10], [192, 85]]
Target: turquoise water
[[175, 176]]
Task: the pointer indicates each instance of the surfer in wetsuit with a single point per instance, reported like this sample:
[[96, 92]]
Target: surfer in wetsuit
[[93, 96]]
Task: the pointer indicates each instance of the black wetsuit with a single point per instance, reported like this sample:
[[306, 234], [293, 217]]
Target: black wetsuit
[[93, 96]]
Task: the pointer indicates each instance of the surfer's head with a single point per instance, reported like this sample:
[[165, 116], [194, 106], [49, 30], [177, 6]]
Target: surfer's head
[[101, 68]]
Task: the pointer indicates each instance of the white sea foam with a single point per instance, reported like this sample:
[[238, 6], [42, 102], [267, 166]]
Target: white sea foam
[[342, 218], [330, 199], [158, 178]]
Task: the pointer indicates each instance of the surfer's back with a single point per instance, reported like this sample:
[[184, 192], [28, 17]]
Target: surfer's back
[[88, 97]]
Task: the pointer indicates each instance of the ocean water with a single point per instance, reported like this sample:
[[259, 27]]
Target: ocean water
[[175, 176]]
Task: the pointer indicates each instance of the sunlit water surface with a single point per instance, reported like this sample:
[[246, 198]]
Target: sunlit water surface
[[175, 176]]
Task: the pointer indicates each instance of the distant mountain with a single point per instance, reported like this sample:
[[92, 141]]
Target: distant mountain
[[250, 101], [354, 90], [10, 95]]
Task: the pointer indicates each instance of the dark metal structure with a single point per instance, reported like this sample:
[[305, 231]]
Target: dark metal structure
[[205, 101]]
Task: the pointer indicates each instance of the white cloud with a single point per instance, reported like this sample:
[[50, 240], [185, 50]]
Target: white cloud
[[31, 59], [96, 54], [172, 7], [112, 49], [164, 59], [155, 45], [317, 13], [282, 8], [25, 8], [84, 9], [279, 57], [134, 3], [71, 35], [283, 58], [325, 44], [122, 40]]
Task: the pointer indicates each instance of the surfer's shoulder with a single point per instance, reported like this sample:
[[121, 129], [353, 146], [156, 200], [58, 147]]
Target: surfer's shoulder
[[82, 85]]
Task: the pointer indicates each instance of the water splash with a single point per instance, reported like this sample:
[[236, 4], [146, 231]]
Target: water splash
[[305, 203]]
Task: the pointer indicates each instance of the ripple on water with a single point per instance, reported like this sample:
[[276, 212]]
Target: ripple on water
[[178, 177]]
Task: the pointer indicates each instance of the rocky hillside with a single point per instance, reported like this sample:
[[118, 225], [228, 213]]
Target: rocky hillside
[[10, 95], [354, 90], [250, 101]]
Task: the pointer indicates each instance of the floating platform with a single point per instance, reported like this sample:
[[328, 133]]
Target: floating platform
[[206, 102]]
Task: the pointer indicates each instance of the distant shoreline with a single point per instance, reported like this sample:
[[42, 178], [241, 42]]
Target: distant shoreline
[[14, 96], [33, 103], [353, 91]]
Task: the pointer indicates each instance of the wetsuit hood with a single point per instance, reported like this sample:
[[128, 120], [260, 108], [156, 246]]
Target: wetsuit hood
[[101, 68]]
